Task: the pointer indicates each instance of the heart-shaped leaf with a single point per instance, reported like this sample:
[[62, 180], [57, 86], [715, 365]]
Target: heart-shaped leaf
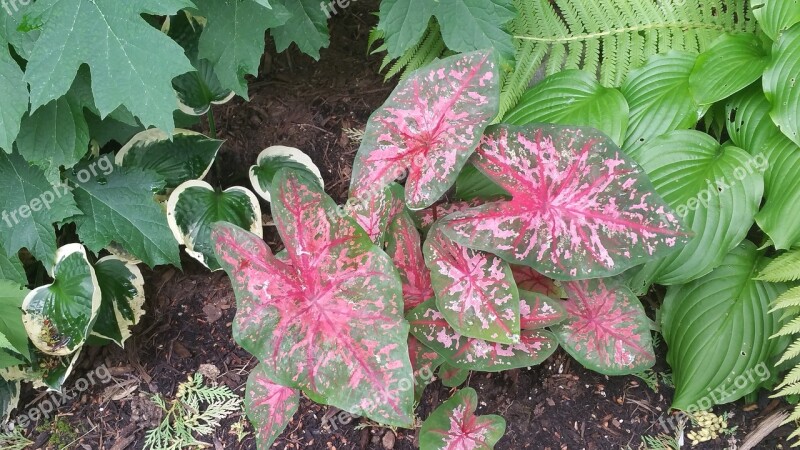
[[59, 316], [475, 290], [528, 279], [195, 206], [186, 155], [277, 157], [539, 311], [326, 316], [373, 213], [430, 327], [424, 361], [270, 407], [775, 16], [781, 83], [425, 218], [122, 304], [573, 97], [717, 330], [454, 425], [452, 376], [606, 328], [576, 198], [404, 246], [429, 127], [731, 63]]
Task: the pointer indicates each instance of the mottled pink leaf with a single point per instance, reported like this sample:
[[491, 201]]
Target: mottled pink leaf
[[580, 207], [530, 280], [269, 406], [606, 328], [452, 376], [425, 218], [372, 211], [475, 290], [429, 326], [424, 361], [539, 311], [454, 425], [429, 127], [330, 320], [404, 246]]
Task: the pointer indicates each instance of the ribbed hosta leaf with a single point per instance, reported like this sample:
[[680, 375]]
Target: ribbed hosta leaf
[[606, 328], [475, 290], [715, 189], [775, 16], [733, 62], [717, 330], [781, 84], [328, 317], [573, 97], [747, 120], [779, 217], [580, 207], [430, 327], [430, 125], [424, 361], [277, 157], [403, 244], [454, 425], [270, 407]]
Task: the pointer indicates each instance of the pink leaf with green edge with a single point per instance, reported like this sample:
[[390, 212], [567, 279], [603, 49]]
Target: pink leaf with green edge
[[424, 361], [269, 406], [404, 246], [580, 208], [430, 327], [538, 311], [372, 212], [475, 290], [425, 218], [454, 425], [606, 328], [429, 127], [452, 376], [329, 321], [530, 280]]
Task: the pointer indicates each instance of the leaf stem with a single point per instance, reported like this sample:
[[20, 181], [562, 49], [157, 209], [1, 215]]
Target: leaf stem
[[212, 127]]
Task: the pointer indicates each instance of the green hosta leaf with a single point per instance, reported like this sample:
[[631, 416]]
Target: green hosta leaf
[[118, 206], [430, 327], [466, 25], [307, 27], [715, 189], [59, 316], [573, 97], [11, 326], [233, 39], [277, 157], [195, 206], [11, 267], [733, 62], [452, 376], [119, 47], [454, 425], [717, 330], [9, 398], [270, 407], [606, 328], [775, 16], [14, 93], [55, 135], [29, 206], [659, 97], [747, 120], [475, 290], [187, 155], [782, 83], [779, 217], [122, 303]]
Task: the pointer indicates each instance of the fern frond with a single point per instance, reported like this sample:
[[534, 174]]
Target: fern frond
[[783, 268], [793, 327], [789, 299], [793, 377], [430, 47], [791, 352], [611, 37]]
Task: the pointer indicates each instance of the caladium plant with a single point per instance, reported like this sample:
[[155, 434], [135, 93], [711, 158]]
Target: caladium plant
[[454, 425]]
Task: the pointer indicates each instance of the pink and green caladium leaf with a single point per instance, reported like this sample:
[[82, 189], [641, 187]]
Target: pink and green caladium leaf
[[539, 311], [424, 361], [452, 376], [580, 208], [430, 327], [454, 425], [429, 127], [372, 213], [403, 244], [530, 280], [327, 319], [270, 407], [475, 290], [606, 328], [425, 218]]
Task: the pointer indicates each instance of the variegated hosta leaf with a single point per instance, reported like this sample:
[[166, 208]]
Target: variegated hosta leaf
[[186, 155], [430, 327], [580, 207], [277, 157], [404, 246], [452, 376], [454, 425], [327, 319], [59, 316], [270, 407], [194, 206], [424, 361], [475, 290], [372, 212], [425, 218], [9, 398], [530, 280], [122, 304], [429, 127], [539, 311], [57, 369], [606, 328]]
